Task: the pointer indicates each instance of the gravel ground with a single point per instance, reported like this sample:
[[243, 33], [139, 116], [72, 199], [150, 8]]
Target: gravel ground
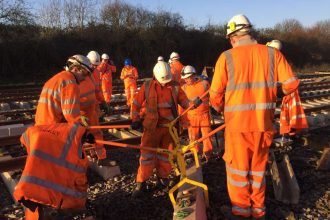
[[112, 199]]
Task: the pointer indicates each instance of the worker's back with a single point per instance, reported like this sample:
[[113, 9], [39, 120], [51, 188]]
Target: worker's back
[[252, 71], [59, 100]]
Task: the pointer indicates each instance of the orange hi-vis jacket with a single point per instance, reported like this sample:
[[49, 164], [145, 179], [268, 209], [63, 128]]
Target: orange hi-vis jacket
[[249, 85], [89, 108], [98, 87], [106, 80], [59, 100], [161, 103], [196, 90], [55, 169], [292, 114], [176, 69], [129, 74]]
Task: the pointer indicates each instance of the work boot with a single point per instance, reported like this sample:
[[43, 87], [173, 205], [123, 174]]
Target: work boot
[[140, 190], [226, 211]]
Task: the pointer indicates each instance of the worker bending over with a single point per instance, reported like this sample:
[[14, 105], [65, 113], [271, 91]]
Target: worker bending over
[[130, 75], [246, 77], [161, 99], [198, 119], [59, 98]]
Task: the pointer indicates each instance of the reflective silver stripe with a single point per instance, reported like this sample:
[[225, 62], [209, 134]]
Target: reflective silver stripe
[[246, 107], [146, 162], [257, 173], [87, 93], [298, 116], [71, 111], [271, 61], [230, 66], [241, 210], [69, 141], [70, 101], [49, 102], [236, 171], [135, 113], [291, 79], [135, 102], [257, 184], [26, 139], [237, 183], [258, 210], [53, 186], [164, 105], [57, 161], [89, 103], [51, 92], [147, 155], [161, 157], [65, 83], [255, 85]]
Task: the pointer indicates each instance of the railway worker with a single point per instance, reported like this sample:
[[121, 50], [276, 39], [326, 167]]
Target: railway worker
[[176, 66], [161, 98], [198, 119], [90, 97], [130, 75], [59, 98], [244, 87], [106, 79]]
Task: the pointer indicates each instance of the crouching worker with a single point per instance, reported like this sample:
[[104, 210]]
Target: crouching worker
[[161, 98], [54, 177]]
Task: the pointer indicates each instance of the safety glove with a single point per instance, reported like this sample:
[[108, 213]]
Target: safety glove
[[197, 102], [136, 125], [84, 120]]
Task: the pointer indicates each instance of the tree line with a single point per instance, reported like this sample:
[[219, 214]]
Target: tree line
[[34, 46]]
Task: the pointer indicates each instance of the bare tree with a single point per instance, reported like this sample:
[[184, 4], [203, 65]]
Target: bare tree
[[14, 12], [51, 14]]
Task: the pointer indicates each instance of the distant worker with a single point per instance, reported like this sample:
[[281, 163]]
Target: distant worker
[[161, 99], [59, 98], [176, 66], [198, 119], [244, 87], [160, 58], [275, 44], [90, 97], [130, 75], [106, 79]]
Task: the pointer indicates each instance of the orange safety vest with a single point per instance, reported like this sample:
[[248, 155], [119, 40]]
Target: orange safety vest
[[97, 82], [55, 169], [59, 100], [176, 69], [106, 80], [129, 74], [292, 114], [247, 75], [154, 108], [196, 90]]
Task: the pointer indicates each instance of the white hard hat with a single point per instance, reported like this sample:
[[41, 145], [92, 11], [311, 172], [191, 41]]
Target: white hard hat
[[79, 60], [174, 56], [162, 72], [105, 56], [187, 71], [160, 58], [275, 43], [94, 57], [239, 25]]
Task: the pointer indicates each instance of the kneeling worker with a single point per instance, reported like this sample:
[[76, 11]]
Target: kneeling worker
[[161, 98]]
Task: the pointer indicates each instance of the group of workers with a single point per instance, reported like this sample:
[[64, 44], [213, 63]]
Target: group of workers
[[244, 88]]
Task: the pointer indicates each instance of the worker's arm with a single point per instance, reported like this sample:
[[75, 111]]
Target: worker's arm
[[218, 85], [285, 75], [137, 104], [136, 74], [70, 103], [183, 100], [123, 74]]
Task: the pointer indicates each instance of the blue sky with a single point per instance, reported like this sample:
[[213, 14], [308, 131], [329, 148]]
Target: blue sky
[[262, 13]]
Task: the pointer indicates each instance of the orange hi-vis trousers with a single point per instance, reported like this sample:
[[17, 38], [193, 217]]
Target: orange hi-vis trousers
[[200, 122], [130, 88], [160, 138], [246, 156]]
